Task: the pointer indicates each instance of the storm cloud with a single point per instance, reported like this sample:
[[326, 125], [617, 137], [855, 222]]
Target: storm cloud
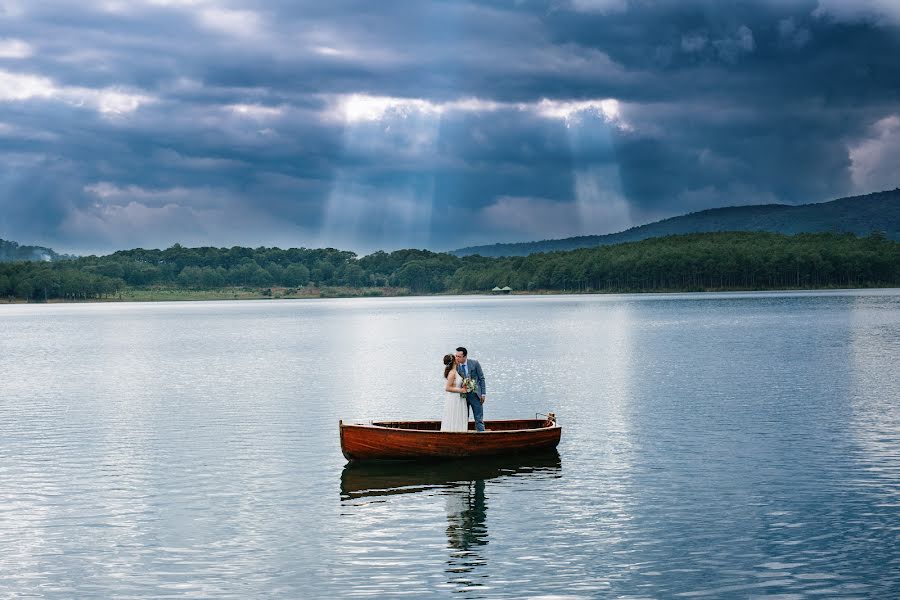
[[363, 126]]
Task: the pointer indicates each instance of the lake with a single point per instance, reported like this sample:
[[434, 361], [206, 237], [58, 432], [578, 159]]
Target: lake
[[714, 445]]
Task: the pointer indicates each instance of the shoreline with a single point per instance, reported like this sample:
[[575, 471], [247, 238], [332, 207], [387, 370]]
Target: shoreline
[[170, 295]]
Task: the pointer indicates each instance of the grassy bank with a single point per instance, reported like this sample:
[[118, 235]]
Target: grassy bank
[[182, 295], [173, 294]]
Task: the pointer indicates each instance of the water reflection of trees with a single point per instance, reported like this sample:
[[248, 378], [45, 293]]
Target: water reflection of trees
[[463, 484]]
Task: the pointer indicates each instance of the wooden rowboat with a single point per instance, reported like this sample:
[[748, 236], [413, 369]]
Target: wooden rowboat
[[423, 440]]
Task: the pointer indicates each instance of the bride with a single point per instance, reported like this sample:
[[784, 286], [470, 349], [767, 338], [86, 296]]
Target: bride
[[456, 410]]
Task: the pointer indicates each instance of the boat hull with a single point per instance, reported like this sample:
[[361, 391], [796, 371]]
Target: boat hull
[[423, 440]]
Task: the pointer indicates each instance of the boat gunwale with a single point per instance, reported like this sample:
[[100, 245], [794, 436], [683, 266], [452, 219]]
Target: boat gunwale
[[555, 425]]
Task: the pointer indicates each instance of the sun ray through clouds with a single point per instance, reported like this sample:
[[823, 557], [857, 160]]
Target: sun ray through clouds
[[600, 204], [385, 203]]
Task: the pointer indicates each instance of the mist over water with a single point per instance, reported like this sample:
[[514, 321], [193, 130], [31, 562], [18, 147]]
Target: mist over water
[[714, 445]]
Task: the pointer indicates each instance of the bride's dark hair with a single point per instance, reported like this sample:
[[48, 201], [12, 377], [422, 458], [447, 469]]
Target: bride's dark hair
[[449, 359]]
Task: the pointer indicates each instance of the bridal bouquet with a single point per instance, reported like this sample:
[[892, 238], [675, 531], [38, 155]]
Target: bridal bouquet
[[469, 385]]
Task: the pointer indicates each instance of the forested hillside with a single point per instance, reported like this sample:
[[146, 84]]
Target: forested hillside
[[859, 215], [711, 261], [12, 252]]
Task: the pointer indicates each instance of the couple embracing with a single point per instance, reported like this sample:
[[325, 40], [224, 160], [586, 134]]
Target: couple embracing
[[465, 389]]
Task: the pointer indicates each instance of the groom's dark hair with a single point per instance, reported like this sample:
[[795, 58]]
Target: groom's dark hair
[[463, 350]]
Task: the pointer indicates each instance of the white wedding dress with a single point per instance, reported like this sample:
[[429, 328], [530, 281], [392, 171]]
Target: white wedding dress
[[456, 409]]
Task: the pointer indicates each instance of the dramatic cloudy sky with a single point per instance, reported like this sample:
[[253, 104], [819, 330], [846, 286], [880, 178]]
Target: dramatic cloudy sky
[[366, 125]]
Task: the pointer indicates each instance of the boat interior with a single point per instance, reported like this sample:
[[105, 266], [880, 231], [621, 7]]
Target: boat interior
[[512, 425]]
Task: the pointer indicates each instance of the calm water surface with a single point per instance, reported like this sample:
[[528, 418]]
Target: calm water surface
[[733, 445]]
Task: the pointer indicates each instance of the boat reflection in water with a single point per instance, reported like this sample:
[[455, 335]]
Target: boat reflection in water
[[463, 484], [366, 480]]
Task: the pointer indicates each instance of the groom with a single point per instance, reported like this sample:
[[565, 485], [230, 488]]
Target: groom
[[471, 368]]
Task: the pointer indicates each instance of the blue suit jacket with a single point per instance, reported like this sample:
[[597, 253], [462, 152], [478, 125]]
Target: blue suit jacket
[[475, 373]]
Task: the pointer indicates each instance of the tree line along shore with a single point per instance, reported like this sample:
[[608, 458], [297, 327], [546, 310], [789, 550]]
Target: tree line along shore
[[679, 263]]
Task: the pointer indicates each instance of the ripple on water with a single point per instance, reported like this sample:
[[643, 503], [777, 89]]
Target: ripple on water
[[713, 446]]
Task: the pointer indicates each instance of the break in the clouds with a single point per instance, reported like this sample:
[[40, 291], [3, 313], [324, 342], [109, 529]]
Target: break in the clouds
[[362, 125]]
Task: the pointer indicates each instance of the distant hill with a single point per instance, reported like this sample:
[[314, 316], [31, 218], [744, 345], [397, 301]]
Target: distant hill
[[13, 252], [858, 214]]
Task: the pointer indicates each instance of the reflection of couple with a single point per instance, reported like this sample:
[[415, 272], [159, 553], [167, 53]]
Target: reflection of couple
[[466, 516], [465, 390]]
